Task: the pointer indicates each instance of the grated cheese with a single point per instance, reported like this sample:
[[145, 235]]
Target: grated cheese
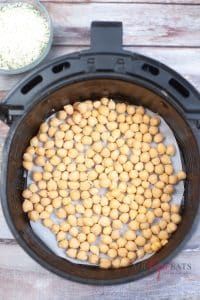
[[24, 34]]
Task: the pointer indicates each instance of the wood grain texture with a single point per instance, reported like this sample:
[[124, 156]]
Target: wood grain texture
[[22, 278], [179, 2], [144, 24], [186, 61]]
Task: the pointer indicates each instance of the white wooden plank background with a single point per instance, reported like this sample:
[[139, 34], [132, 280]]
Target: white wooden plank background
[[144, 24], [168, 30]]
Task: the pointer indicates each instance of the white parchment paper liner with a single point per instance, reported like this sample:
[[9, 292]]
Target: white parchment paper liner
[[48, 237]]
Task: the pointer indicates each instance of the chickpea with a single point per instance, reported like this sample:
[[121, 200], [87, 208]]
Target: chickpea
[[148, 194], [74, 243], [27, 193], [165, 197], [147, 138], [150, 216], [64, 226], [117, 224], [155, 229], [124, 262], [155, 246], [27, 206], [159, 169], [158, 212], [35, 198], [34, 142], [104, 221], [124, 217], [33, 215], [145, 147], [56, 203], [161, 148], [144, 157], [48, 223], [153, 130], [158, 138], [64, 126], [104, 263], [42, 137], [27, 157], [55, 228], [72, 220], [172, 179], [141, 218], [153, 152], [156, 193], [140, 253], [122, 252], [61, 213], [181, 175], [116, 263], [166, 216], [162, 224], [163, 235], [140, 241], [165, 159], [175, 208], [171, 227], [171, 150], [147, 248], [143, 128], [176, 218], [36, 176], [169, 169], [30, 150], [164, 178], [38, 207], [165, 206], [149, 167], [147, 203], [71, 253], [44, 214], [93, 259], [154, 121], [82, 255], [147, 233], [63, 244], [144, 225], [33, 188], [153, 179], [130, 235]]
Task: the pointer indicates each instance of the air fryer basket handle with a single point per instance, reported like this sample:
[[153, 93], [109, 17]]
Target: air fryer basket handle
[[106, 36]]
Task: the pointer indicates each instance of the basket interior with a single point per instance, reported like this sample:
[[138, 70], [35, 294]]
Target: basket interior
[[94, 89]]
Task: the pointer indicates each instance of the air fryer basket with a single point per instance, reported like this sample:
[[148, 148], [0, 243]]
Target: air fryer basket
[[104, 70]]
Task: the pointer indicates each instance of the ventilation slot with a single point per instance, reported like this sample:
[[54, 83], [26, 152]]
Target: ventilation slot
[[179, 87], [59, 68], [150, 69], [31, 84]]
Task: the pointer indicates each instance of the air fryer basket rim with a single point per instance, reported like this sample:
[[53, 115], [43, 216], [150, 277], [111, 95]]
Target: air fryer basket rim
[[49, 267], [60, 80]]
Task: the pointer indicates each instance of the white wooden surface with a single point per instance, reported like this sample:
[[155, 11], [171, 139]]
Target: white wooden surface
[[168, 30]]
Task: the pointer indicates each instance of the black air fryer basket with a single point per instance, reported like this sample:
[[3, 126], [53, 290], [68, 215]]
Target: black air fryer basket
[[104, 70]]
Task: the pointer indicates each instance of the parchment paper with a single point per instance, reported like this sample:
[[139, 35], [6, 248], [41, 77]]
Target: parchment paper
[[49, 238]]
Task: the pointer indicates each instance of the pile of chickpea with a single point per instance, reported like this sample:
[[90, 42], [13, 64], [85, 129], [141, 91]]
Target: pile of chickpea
[[104, 170]]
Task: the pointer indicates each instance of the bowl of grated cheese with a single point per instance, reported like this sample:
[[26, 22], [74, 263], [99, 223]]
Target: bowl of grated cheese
[[26, 35]]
